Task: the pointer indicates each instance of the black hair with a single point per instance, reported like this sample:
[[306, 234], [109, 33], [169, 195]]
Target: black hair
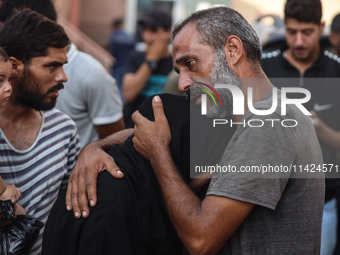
[[3, 55], [335, 26], [304, 10], [44, 7], [27, 34]]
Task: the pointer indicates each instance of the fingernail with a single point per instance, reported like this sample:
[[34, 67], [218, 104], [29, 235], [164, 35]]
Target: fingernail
[[84, 214], [68, 208], [157, 99], [76, 214], [91, 202], [119, 172]]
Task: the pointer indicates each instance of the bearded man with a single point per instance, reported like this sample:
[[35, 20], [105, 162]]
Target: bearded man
[[241, 213], [39, 145]]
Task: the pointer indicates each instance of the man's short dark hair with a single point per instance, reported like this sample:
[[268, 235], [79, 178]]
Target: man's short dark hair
[[27, 34], [335, 26], [156, 17], [44, 7], [304, 10]]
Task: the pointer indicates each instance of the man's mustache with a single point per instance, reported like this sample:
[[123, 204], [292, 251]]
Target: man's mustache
[[59, 86]]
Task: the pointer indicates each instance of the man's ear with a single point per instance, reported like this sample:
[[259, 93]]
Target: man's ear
[[17, 66], [234, 50]]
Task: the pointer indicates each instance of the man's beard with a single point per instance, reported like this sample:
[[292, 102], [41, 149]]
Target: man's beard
[[27, 93], [220, 74]]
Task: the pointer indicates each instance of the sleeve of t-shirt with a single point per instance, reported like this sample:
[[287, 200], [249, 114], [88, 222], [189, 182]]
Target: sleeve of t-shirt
[[101, 95], [262, 147]]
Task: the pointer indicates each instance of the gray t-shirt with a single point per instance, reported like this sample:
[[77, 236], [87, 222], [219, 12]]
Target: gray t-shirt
[[90, 96], [287, 215]]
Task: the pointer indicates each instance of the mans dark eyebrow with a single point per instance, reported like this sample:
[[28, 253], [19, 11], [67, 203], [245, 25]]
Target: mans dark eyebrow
[[307, 29], [55, 63]]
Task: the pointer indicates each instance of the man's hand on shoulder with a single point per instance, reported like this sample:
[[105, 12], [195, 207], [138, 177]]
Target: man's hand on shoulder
[[82, 187]]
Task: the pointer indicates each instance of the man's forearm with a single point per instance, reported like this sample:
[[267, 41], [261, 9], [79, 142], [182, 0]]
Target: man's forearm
[[203, 226], [116, 138], [133, 84], [182, 204]]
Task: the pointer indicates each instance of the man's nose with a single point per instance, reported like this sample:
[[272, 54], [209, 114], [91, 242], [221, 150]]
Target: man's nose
[[183, 83], [299, 39], [61, 76]]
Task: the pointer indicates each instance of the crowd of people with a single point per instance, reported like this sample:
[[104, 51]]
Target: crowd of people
[[104, 159]]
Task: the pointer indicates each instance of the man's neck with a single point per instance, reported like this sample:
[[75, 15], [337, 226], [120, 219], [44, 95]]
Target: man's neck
[[166, 54], [20, 125], [261, 86], [16, 112], [302, 65]]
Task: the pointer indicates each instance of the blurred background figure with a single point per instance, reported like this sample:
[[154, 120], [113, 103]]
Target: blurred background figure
[[147, 71], [303, 57], [334, 36], [120, 44]]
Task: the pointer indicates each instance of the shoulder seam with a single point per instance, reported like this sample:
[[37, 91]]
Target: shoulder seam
[[331, 56], [271, 54]]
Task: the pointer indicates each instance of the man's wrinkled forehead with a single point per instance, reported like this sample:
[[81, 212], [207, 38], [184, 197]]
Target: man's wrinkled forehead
[[186, 40]]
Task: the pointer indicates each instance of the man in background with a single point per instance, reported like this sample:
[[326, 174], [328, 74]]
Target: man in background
[[303, 58], [334, 36], [147, 71], [120, 44]]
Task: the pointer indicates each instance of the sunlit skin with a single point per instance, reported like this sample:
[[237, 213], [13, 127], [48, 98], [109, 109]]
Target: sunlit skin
[[191, 59], [49, 70], [303, 42], [5, 82]]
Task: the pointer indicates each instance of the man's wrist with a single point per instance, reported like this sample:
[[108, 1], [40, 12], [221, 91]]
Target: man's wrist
[[151, 63], [160, 155]]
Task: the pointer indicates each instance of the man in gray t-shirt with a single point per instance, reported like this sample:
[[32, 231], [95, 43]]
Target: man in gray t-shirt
[[242, 213], [275, 224]]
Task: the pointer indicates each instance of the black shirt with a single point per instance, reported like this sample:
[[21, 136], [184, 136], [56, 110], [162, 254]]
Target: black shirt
[[322, 80]]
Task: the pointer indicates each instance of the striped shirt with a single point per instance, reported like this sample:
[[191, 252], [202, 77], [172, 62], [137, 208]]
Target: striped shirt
[[44, 168]]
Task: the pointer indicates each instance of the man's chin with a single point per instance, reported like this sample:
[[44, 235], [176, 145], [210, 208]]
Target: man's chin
[[45, 106], [302, 56]]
